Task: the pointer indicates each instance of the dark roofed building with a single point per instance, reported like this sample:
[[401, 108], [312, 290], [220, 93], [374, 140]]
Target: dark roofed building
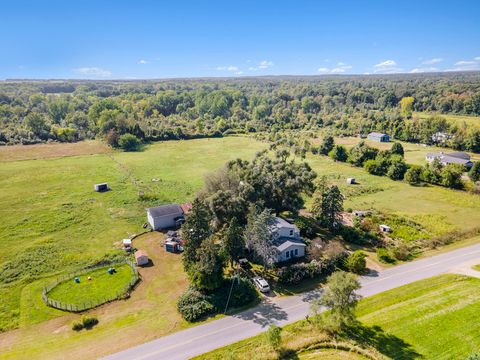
[[461, 158], [165, 216], [379, 137]]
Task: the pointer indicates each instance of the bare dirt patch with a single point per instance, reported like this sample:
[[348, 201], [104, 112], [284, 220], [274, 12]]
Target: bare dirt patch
[[49, 151]]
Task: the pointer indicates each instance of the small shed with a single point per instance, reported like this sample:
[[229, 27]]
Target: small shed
[[127, 243], [141, 257], [384, 228], [172, 246], [101, 187], [379, 137], [350, 180]]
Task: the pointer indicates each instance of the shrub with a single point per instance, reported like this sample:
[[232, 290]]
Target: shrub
[[356, 262], [474, 172], [243, 293], [89, 321], [273, 336], [338, 153], [307, 226], [397, 170], [384, 256], [401, 252], [129, 142], [194, 305], [77, 326], [413, 175]]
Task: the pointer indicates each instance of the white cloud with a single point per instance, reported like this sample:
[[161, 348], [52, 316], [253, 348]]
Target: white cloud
[[386, 64], [340, 69], [387, 67], [238, 72], [227, 68], [465, 62], [466, 65], [93, 72], [265, 64], [432, 61], [142, 62], [423, 70]]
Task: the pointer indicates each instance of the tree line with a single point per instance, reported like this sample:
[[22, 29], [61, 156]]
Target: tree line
[[32, 112]]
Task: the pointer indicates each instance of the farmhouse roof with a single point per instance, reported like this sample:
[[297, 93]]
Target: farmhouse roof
[[284, 243], [377, 134], [282, 223], [163, 210], [459, 155]]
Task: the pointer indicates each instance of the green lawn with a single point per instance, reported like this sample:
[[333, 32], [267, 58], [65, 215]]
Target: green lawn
[[53, 222], [414, 153], [102, 286], [431, 319], [460, 120], [436, 209]]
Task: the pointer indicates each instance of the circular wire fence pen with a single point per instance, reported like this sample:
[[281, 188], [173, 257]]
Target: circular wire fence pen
[[89, 305]]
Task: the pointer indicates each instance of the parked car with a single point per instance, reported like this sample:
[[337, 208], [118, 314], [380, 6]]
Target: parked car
[[261, 284]]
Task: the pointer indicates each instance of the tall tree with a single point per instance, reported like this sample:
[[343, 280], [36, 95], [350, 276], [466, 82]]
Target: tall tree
[[406, 106], [195, 230], [207, 271], [327, 145], [340, 298], [258, 236], [332, 206], [233, 242]]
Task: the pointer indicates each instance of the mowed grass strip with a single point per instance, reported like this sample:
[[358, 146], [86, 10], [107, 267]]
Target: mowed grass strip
[[436, 318], [101, 287]]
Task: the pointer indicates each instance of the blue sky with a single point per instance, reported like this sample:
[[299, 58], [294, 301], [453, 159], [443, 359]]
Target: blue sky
[[105, 39]]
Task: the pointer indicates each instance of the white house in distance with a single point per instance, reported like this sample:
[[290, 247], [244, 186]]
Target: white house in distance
[[165, 216], [286, 240], [451, 158]]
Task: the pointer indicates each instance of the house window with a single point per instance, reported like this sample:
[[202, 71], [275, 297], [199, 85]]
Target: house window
[[291, 232], [296, 252], [287, 254]]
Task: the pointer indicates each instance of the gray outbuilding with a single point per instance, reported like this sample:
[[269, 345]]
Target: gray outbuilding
[[165, 216]]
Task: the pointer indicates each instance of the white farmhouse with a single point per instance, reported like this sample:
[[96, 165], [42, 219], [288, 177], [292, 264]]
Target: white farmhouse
[[286, 240]]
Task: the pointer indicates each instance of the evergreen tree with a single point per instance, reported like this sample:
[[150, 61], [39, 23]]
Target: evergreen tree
[[397, 148], [195, 230], [233, 243], [327, 145], [207, 272], [258, 237], [332, 206], [338, 153]]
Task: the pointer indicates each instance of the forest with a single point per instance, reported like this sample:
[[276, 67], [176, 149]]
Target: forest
[[125, 113]]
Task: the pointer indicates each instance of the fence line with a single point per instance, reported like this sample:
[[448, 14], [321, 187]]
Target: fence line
[[88, 305]]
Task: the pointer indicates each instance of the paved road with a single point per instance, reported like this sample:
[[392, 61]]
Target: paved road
[[203, 338]]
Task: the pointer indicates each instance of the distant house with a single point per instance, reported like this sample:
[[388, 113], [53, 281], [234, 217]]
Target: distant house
[[165, 216], [379, 137], [361, 213], [350, 181], [286, 240], [441, 137], [451, 158], [141, 257]]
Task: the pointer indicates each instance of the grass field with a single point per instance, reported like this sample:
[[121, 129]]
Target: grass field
[[102, 285], [431, 319], [414, 153], [53, 222], [437, 210], [460, 120]]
